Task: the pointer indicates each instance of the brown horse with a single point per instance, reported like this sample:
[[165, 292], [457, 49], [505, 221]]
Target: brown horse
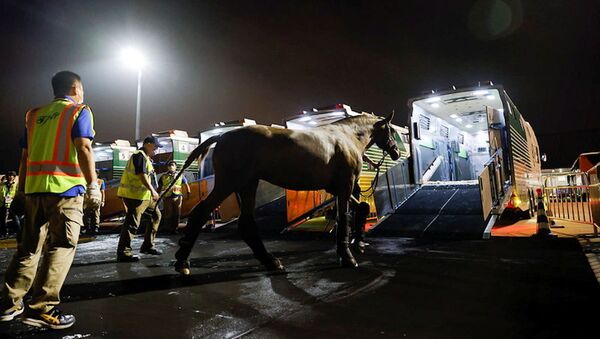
[[327, 157]]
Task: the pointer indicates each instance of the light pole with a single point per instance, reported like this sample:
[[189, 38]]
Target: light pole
[[137, 106], [135, 60]]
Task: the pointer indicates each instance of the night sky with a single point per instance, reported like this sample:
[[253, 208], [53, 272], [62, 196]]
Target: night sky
[[215, 61]]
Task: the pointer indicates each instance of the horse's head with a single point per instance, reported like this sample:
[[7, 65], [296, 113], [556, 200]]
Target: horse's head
[[383, 137]]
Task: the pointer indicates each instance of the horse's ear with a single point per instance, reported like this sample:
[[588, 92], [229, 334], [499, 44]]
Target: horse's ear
[[390, 117]]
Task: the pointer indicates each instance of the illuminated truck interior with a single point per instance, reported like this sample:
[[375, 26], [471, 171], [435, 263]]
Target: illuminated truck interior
[[451, 140]]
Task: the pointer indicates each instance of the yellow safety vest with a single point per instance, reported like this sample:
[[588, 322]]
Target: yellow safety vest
[[131, 185], [7, 195], [166, 181], [52, 165]]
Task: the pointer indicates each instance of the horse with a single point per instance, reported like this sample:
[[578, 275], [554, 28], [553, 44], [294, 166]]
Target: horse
[[327, 157]]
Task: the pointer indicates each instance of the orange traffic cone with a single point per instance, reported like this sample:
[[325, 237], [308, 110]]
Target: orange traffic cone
[[543, 225]]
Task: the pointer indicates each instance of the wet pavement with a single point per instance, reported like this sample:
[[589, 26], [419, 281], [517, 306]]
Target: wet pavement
[[503, 287]]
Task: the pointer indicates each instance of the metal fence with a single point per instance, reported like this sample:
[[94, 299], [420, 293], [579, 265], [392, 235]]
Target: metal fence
[[571, 196]]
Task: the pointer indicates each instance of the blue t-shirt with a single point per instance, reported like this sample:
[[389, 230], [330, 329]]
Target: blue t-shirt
[[82, 128]]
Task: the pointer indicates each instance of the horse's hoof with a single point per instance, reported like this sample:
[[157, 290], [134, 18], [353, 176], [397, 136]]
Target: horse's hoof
[[348, 262], [183, 268], [184, 271], [275, 265], [360, 246]]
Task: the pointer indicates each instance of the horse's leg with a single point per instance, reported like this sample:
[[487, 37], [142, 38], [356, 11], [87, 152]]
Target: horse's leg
[[342, 232], [197, 218], [248, 229]]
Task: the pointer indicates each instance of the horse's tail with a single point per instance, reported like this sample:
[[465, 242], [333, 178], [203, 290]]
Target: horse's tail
[[198, 153]]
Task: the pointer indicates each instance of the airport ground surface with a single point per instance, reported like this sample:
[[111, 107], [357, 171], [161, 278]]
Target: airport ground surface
[[506, 287]]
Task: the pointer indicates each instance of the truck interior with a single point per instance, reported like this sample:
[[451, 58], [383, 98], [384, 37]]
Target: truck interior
[[451, 140]]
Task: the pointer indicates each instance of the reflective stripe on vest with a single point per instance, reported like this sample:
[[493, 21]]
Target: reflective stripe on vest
[[131, 185], [176, 190], [52, 165]]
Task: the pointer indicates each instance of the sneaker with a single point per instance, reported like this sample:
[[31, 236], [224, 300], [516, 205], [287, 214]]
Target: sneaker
[[127, 258], [152, 251], [52, 319], [10, 313]]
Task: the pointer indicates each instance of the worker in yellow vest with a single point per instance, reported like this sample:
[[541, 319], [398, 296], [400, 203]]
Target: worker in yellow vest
[[137, 189], [8, 189], [57, 169], [172, 199], [91, 210]]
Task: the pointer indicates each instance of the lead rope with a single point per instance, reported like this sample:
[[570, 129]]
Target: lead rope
[[376, 180]]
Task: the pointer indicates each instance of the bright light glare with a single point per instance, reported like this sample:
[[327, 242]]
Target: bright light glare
[[435, 105], [453, 116], [304, 119], [434, 99], [313, 122], [468, 125], [133, 58], [490, 97], [459, 119], [480, 92]]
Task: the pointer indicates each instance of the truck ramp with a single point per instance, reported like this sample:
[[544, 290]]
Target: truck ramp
[[440, 211]]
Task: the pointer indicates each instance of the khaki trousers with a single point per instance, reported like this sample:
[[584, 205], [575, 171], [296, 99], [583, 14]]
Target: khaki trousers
[[52, 225], [172, 215], [134, 209]]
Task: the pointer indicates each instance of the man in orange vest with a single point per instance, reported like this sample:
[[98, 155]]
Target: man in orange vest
[[57, 169]]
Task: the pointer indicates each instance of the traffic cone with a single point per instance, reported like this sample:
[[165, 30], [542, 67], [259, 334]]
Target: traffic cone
[[543, 224]]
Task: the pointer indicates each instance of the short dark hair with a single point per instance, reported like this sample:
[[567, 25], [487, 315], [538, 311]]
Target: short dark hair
[[63, 81], [171, 162]]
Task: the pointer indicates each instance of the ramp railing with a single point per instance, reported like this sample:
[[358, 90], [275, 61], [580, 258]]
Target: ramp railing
[[570, 196], [594, 197], [491, 183]]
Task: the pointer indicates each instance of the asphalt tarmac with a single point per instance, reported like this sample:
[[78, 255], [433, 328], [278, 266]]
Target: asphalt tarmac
[[404, 288]]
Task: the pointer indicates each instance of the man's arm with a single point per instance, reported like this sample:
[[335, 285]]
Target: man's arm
[[103, 191], [160, 183], [146, 181], [85, 156], [22, 171]]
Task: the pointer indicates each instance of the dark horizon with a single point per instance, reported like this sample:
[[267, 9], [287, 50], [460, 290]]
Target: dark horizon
[[225, 60]]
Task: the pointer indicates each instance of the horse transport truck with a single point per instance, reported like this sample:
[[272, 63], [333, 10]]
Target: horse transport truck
[[473, 158]]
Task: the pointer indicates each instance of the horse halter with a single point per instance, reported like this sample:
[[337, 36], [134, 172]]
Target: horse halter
[[390, 143]]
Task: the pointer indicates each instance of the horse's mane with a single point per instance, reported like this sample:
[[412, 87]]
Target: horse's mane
[[364, 117]]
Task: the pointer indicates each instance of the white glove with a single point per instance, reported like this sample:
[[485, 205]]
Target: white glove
[[93, 195]]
